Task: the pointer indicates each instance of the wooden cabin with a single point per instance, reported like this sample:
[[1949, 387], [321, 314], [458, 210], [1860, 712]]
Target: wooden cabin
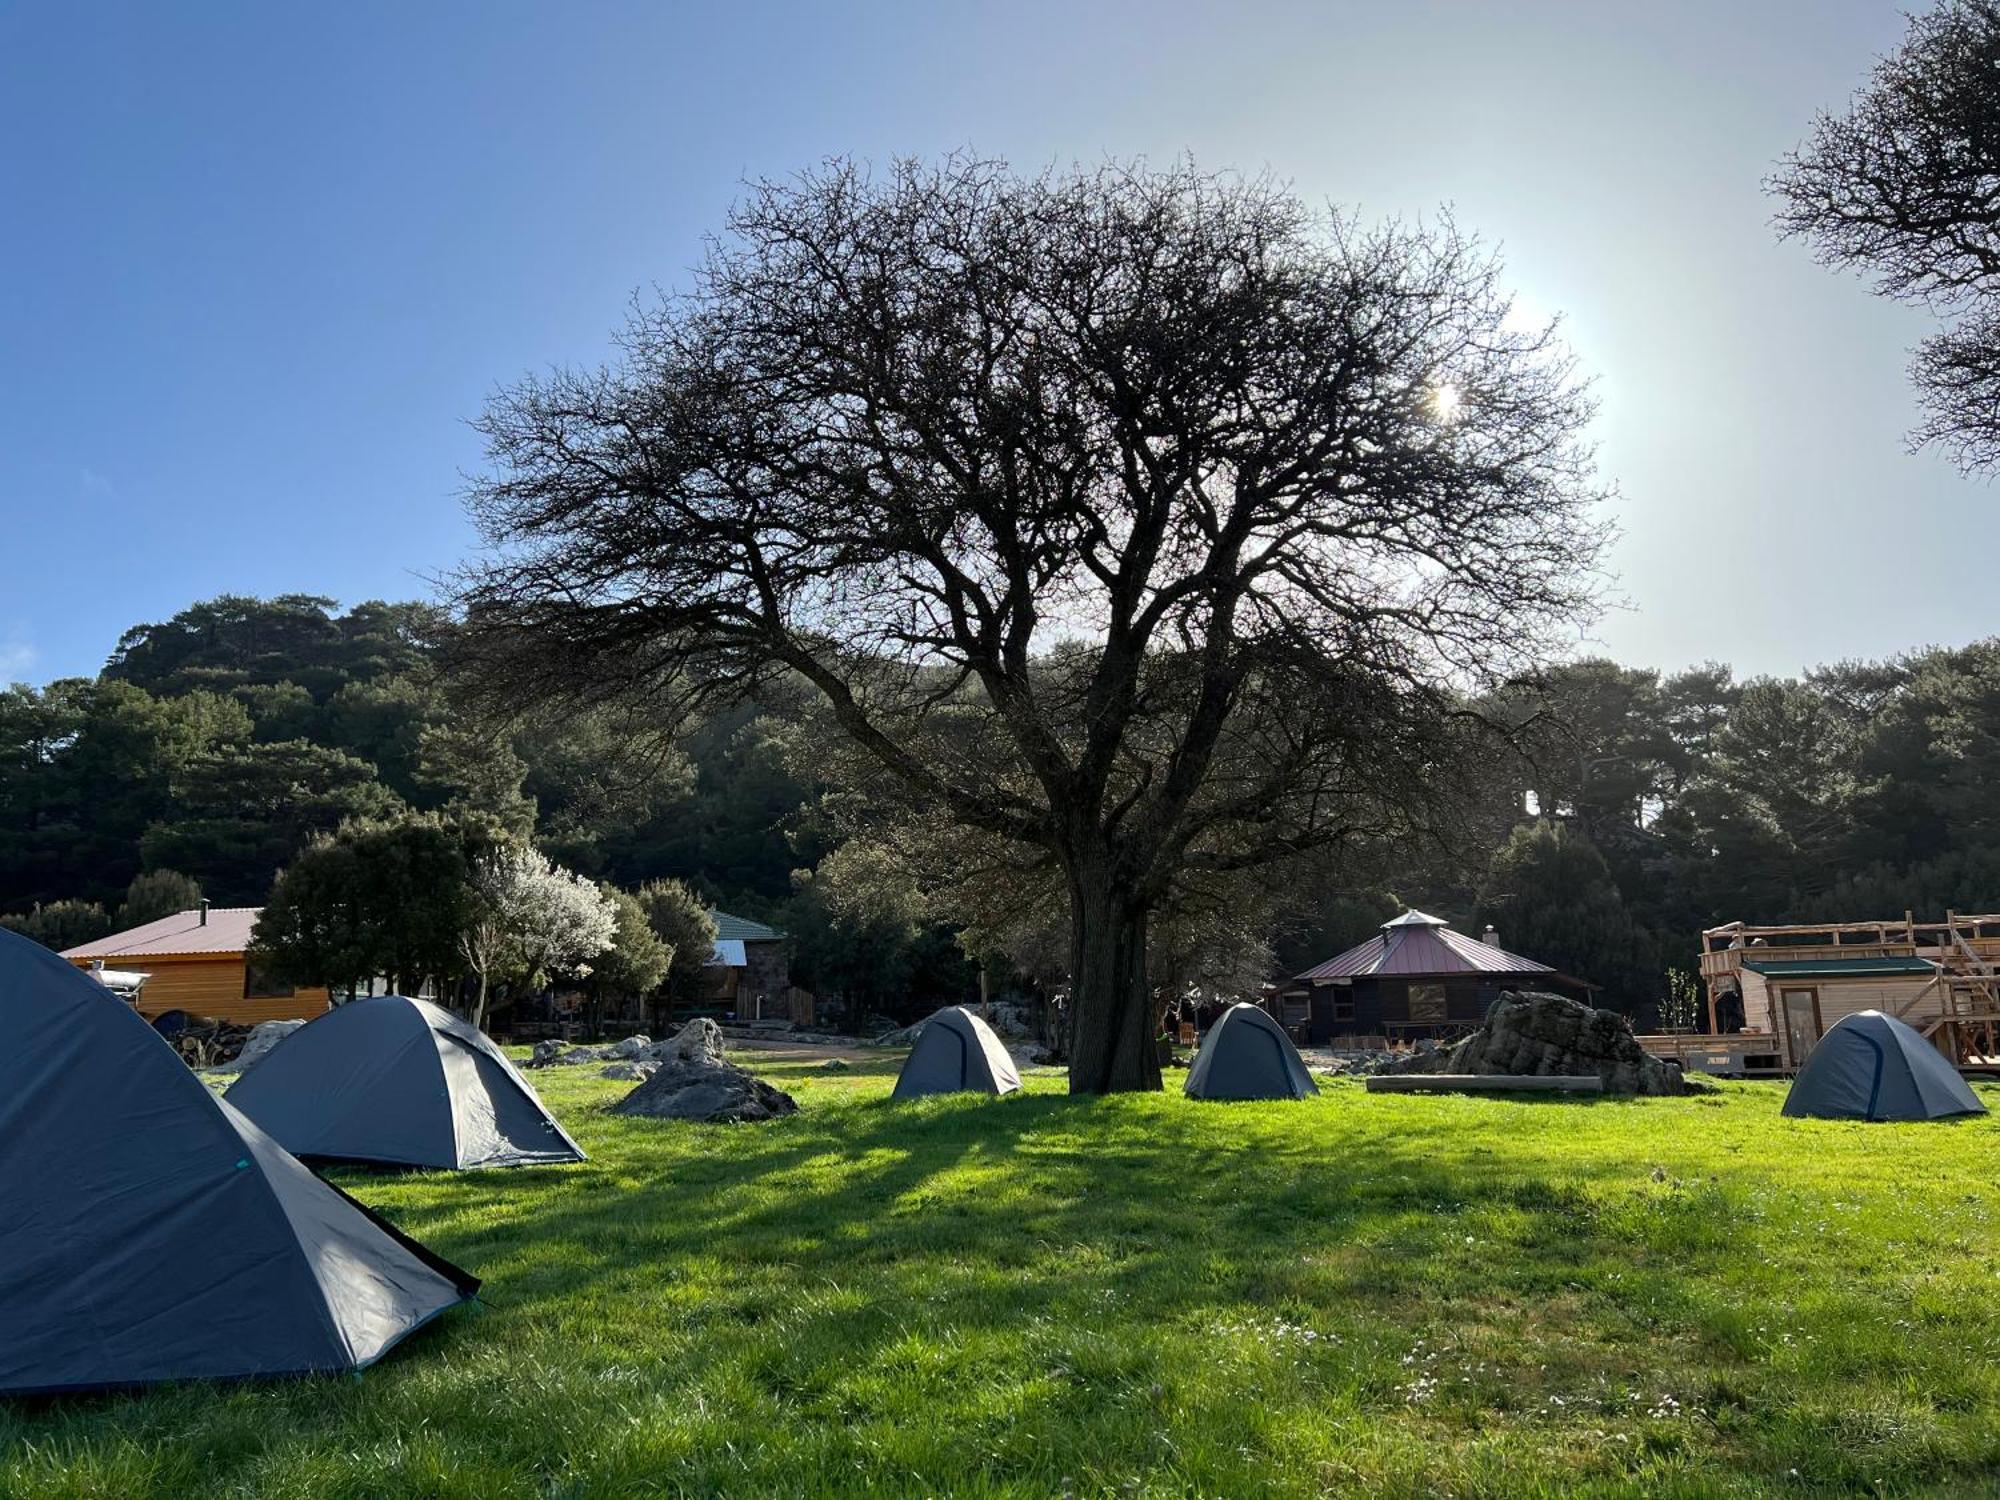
[[195, 961], [750, 976], [1416, 978], [1782, 987]]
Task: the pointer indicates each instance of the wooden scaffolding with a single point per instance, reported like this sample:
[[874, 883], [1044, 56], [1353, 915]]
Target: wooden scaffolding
[[1956, 1006]]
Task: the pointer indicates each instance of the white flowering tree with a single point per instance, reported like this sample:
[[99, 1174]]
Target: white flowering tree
[[532, 920]]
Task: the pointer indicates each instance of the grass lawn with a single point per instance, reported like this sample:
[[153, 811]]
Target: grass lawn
[[1147, 1296]]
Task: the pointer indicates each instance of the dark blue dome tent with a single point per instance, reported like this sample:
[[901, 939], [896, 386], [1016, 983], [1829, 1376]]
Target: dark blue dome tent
[[956, 1053], [151, 1232], [1871, 1066], [396, 1082], [1246, 1055]]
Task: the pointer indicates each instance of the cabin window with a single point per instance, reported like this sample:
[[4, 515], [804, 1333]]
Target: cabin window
[[1343, 1004], [1427, 1002], [260, 986]]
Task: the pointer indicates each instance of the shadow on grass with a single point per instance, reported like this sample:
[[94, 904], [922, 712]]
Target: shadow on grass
[[1024, 1204], [1010, 1266]]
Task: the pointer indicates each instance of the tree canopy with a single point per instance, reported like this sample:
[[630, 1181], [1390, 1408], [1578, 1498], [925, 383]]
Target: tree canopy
[[1857, 789], [1901, 187], [1145, 518]]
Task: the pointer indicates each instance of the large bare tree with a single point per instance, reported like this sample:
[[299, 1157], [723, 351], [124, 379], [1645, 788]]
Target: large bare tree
[[1905, 186], [1145, 518]]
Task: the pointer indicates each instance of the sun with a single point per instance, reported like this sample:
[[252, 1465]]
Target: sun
[[1444, 402]]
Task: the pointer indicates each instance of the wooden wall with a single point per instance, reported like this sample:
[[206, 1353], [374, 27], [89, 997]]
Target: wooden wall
[[213, 987], [1888, 993]]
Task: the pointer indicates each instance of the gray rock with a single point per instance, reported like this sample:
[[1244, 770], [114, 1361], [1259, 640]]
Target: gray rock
[[577, 1057], [263, 1037], [688, 1078], [700, 1038], [694, 1089], [834, 1065], [1010, 1023], [1544, 1035], [630, 1071], [700, 1041]]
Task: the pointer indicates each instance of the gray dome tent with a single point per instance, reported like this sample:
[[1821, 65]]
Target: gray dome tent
[[401, 1083], [1246, 1055], [152, 1233], [956, 1052], [1871, 1066]]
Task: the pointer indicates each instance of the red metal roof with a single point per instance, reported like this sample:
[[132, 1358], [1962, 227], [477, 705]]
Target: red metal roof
[[227, 931], [1418, 944]]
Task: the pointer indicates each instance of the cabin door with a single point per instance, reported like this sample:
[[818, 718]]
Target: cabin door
[[1801, 1012]]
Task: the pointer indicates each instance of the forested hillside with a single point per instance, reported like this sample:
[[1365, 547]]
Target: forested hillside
[[1638, 808]]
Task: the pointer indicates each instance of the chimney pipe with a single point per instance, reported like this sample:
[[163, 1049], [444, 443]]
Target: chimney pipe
[[204, 911], [1490, 937]]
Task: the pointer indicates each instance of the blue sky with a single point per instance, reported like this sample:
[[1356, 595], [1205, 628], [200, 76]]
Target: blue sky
[[259, 263]]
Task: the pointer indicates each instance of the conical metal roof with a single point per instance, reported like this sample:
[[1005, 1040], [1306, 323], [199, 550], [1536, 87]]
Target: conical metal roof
[[1418, 945]]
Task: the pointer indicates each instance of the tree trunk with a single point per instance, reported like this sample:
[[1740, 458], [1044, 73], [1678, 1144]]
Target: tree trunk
[[1110, 1005]]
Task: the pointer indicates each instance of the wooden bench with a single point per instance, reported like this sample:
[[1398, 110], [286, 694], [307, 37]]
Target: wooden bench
[[1466, 1083]]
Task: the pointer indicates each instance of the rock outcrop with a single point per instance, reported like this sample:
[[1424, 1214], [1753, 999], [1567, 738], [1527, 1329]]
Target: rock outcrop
[[1551, 1036], [694, 1081]]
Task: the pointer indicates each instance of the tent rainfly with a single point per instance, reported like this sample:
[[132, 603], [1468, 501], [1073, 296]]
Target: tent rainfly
[[1246, 1055], [956, 1052], [1871, 1066], [400, 1083], [152, 1233]]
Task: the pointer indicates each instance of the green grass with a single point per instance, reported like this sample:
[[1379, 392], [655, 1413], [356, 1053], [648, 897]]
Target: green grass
[[1147, 1296]]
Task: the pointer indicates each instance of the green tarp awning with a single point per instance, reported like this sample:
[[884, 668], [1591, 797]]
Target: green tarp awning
[[1838, 968]]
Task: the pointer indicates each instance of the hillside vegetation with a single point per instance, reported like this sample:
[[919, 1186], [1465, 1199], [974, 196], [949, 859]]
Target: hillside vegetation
[[1638, 808]]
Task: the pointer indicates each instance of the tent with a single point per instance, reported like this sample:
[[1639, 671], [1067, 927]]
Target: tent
[[1871, 1066], [956, 1052], [152, 1233], [402, 1083], [1246, 1055]]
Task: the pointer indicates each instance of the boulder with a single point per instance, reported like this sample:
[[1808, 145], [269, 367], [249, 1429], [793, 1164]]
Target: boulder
[[1010, 1022], [700, 1041], [630, 1071], [556, 1055], [903, 1036], [692, 1080], [263, 1037], [684, 1090], [834, 1065], [1551, 1036], [632, 1046]]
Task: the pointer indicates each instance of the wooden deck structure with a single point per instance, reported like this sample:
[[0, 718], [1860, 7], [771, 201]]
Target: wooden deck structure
[[1794, 981]]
